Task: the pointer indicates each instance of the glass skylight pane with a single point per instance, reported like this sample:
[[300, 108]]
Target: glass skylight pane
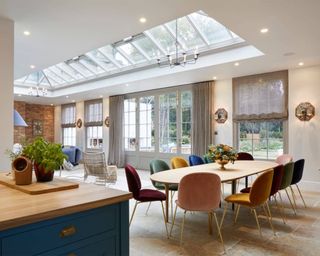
[[102, 60], [82, 70], [53, 76], [132, 52], [72, 72], [161, 35], [33, 78], [148, 47], [92, 66], [211, 29], [186, 33], [61, 73], [115, 55]]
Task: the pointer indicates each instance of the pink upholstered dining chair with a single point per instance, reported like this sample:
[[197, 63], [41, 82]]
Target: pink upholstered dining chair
[[199, 192], [284, 159]]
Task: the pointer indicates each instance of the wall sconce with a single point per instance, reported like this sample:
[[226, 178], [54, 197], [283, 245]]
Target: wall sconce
[[221, 115], [305, 111], [107, 121], [79, 123]]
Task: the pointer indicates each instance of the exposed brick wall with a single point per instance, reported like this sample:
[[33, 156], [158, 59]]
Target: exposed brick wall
[[31, 113]]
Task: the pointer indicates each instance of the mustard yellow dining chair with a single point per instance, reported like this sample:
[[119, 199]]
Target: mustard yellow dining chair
[[258, 196], [178, 162], [199, 192]]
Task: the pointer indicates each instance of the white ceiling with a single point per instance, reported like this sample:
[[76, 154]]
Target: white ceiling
[[62, 29]]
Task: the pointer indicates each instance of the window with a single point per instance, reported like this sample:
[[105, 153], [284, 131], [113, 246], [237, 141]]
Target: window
[[68, 124], [93, 124], [264, 140], [146, 124], [160, 122], [260, 113], [130, 124]]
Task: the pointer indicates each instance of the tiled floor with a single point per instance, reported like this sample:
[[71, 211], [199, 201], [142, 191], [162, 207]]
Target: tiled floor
[[300, 236]]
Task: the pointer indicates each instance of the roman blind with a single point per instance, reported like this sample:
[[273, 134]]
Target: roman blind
[[260, 97], [68, 115], [93, 113]]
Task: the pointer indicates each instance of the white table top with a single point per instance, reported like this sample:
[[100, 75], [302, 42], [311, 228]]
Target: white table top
[[234, 171]]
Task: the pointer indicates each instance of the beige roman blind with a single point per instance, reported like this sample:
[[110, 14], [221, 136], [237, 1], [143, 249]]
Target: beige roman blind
[[93, 113], [260, 97], [68, 115]]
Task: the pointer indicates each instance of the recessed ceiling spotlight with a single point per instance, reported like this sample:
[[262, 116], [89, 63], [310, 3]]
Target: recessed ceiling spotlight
[[26, 33], [67, 96], [214, 78], [127, 84], [73, 101], [301, 64], [51, 104], [32, 66], [236, 64], [264, 30], [19, 95], [143, 20], [101, 96]]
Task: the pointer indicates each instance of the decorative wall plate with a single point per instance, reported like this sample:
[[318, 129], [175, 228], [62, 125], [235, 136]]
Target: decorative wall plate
[[37, 127], [305, 111], [221, 115], [79, 123]]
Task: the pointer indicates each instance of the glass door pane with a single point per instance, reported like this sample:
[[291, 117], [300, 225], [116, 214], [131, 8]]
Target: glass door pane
[[186, 104], [168, 123], [130, 124], [146, 123]]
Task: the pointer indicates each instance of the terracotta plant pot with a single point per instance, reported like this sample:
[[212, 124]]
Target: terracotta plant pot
[[41, 174], [22, 168]]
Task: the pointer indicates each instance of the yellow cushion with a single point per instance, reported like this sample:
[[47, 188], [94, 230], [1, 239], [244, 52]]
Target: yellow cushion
[[241, 198]]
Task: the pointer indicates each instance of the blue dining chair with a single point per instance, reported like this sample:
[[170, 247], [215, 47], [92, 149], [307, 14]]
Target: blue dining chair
[[195, 160]]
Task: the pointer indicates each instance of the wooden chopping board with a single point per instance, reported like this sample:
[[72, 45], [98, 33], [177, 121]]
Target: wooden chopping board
[[36, 188]]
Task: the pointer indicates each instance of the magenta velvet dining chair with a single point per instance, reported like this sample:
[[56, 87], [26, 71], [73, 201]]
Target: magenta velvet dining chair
[[142, 195]]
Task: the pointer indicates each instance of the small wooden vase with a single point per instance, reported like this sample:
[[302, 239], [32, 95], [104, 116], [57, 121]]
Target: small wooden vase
[[22, 168], [222, 163]]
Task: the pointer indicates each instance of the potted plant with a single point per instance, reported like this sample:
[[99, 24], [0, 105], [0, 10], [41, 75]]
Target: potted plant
[[47, 157]]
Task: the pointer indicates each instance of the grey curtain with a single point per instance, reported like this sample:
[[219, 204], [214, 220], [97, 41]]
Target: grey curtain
[[202, 105], [116, 145]]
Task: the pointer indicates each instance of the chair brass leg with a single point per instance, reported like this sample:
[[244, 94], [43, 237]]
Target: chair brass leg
[[219, 231], [237, 213], [294, 210], [301, 196], [269, 216], [174, 218], [279, 209], [224, 213], [210, 223], [148, 208], [256, 216], [171, 202], [164, 219], [182, 226], [282, 205], [134, 210], [293, 197]]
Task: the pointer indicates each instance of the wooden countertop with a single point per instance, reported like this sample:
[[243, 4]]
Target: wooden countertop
[[18, 208]]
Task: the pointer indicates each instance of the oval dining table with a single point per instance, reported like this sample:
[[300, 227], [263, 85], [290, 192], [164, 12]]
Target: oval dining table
[[233, 172]]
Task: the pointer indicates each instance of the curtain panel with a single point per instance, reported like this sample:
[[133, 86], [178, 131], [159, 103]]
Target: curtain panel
[[116, 142], [260, 97], [202, 123], [68, 115]]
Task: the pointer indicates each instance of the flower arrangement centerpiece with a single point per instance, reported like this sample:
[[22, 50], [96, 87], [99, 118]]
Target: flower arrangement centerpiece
[[221, 154]]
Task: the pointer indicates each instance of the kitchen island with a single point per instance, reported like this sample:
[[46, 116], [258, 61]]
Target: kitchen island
[[89, 220]]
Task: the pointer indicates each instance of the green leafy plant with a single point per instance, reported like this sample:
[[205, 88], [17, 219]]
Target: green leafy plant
[[47, 155]]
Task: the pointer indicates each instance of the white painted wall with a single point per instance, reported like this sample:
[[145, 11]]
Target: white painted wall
[[6, 90], [223, 99], [304, 137]]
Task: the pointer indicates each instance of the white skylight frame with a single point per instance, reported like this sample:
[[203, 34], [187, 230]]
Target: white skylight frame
[[130, 53]]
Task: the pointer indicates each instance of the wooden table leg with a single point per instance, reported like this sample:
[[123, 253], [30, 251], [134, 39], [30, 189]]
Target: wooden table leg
[[167, 201]]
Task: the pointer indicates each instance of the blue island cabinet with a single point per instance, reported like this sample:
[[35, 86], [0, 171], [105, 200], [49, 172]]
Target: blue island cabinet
[[99, 231]]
